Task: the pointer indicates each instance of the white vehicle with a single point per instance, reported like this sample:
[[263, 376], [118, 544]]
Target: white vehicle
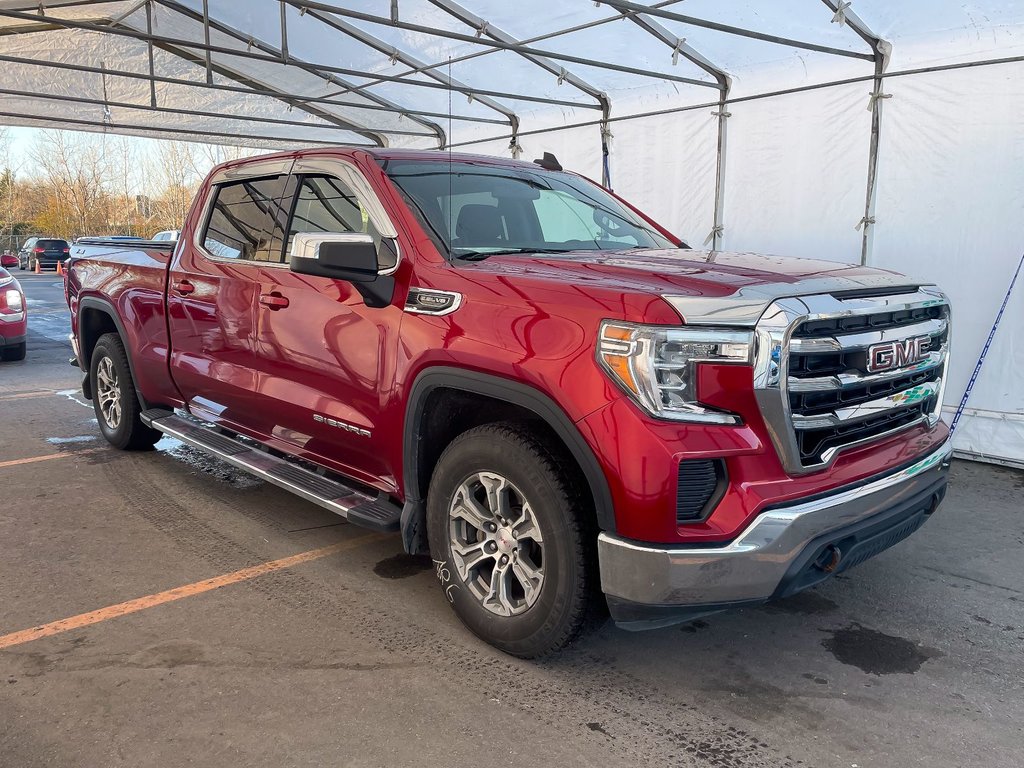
[[167, 234]]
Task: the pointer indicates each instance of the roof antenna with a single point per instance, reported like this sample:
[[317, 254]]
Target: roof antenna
[[549, 162], [451, 210]]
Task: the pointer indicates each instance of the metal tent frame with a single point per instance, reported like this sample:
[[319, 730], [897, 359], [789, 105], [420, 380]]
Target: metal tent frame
[[226, 56]]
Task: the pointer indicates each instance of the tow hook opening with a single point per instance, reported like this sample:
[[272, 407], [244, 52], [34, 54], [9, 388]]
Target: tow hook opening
[[829, 559]]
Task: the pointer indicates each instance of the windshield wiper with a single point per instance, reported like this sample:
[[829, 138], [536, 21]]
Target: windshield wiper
[[481, 255]]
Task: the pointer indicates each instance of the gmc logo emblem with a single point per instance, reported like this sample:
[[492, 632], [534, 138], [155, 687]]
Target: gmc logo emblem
[[898, 354]]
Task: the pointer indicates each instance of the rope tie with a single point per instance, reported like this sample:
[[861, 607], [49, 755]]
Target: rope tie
[[840, 14], [863, 223], [716, 231], [677, 49], [562, 75], [875, 96]]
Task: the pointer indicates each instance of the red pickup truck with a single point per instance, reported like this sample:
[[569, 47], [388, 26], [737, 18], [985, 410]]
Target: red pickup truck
[[528, 378]]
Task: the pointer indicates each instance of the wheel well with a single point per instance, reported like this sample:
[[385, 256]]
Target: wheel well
[[93, 323], [448, 412]]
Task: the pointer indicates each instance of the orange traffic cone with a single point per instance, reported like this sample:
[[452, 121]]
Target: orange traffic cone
[[38, 270], [60, 269]]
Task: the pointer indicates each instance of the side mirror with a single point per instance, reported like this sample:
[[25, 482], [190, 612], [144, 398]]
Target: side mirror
[[348, 256]]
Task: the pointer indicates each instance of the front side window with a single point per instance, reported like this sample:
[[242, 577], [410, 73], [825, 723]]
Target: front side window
[[477, 210], [326, 204], [247, 220]]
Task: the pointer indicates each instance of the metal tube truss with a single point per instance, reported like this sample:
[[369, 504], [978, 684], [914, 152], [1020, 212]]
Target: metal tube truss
[[493, 43]]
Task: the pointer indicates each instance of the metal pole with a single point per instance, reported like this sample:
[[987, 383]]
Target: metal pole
[[284, 32], [622, 5], [880, 50], [206, 37], [149, 51], [254, 91], [198, 113], [718, 226], [234, 138]]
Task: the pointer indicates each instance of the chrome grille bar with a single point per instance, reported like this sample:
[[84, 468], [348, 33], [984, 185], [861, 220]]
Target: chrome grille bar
[[856, 379], [840, 416], [848, 341]]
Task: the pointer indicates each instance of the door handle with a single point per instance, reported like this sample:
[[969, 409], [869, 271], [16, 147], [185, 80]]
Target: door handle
[[274, 300], [184, 287]]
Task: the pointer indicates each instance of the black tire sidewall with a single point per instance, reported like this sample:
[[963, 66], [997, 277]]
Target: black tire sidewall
[[106, 347], [545, 624]]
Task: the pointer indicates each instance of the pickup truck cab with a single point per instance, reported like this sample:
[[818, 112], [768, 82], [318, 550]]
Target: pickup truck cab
[[528, 378]]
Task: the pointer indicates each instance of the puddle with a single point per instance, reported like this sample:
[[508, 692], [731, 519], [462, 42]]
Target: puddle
[[402, 566], [875, 652], [67, 440]]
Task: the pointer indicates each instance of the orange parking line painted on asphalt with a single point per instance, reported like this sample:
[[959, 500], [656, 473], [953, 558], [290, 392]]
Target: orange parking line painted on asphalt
[[49, 457], [188, 590], [27, 395]]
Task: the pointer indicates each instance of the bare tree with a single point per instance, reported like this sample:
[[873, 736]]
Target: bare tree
[[175, 174], [77, 170]]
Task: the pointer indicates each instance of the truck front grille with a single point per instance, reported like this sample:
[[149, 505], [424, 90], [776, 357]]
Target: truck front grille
[[834, 372]]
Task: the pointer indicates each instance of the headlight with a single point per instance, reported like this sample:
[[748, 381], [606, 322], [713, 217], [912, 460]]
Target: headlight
[[13, 300], [657, 365]]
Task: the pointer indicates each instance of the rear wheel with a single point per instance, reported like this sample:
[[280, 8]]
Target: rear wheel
[[509, 541], [114, 399], [14, 352]]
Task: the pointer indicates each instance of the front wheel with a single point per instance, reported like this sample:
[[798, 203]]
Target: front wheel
[[114, 399], [510, 541], [13, 352]]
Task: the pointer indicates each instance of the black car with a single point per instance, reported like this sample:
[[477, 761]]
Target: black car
[[47, 251]]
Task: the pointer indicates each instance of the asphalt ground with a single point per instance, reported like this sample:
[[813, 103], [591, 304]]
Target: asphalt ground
[[161, 609]]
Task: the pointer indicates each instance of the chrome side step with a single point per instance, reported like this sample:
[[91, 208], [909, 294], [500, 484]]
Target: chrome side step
[[359, 507]]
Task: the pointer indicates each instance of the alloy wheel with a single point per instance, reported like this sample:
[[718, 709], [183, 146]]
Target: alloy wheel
[[496, 543]]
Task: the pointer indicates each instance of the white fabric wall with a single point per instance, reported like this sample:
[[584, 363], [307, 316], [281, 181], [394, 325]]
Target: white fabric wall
[[950, 208]]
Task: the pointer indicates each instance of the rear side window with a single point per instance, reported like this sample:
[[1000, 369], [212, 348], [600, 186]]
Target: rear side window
[[326, 204], [247, 219]]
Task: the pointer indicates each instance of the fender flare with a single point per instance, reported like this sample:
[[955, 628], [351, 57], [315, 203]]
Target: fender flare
[[107, 308], [499, 388]]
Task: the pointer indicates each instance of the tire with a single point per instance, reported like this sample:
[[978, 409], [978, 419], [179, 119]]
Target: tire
[[503, 461], [14, 352], [113, 397]]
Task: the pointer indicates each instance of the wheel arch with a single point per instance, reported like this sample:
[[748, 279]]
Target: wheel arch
[[96, 316], [420, 458]]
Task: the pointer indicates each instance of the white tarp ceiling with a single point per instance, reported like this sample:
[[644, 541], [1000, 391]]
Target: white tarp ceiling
[[939, 195]]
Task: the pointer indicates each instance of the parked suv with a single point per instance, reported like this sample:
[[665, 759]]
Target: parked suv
[[46, 251]]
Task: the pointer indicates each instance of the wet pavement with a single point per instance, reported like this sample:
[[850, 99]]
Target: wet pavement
[[914, 659]]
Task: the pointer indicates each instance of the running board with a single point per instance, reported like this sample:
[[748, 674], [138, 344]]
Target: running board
[[358, 507]]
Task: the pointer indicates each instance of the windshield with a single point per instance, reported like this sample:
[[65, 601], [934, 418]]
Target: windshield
[[477, 211]]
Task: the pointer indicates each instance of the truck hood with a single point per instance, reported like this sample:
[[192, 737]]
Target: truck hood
[[705, 287]]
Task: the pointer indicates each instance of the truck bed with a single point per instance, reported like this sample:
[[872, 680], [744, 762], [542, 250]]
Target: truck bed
[[131, 277]]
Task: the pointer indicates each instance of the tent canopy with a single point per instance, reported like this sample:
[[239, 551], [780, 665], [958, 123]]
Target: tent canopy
[[411, 72]]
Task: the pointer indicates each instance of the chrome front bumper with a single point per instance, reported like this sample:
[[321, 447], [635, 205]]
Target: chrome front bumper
[[763, 560]]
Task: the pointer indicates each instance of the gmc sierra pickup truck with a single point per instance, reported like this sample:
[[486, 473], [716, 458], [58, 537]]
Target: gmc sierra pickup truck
[[528, 378]]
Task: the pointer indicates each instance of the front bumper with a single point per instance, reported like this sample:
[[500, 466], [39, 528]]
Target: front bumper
[[783, 551]]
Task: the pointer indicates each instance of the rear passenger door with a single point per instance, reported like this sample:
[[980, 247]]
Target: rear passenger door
[[325, 360], [213, 289]]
